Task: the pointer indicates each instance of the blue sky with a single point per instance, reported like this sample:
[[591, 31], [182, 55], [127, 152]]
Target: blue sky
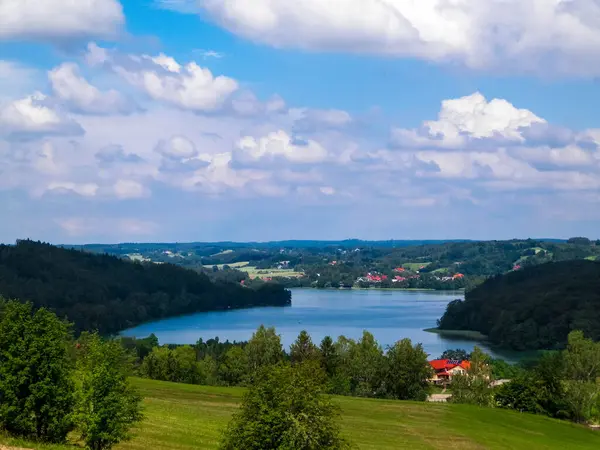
[[180, 120]]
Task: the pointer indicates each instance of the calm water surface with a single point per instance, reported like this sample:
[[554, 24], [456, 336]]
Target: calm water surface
[[389, 315]]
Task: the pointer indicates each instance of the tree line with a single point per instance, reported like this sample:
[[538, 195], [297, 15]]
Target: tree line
[[535, 308], [351, 367], [107, 294]]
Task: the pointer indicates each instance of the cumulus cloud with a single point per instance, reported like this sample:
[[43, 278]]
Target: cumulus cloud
[[59, 19], [189, 87], [34, 116], [497, 146], [278, 145], [481, 34], [115, 154], [469, 119], [80, 96]]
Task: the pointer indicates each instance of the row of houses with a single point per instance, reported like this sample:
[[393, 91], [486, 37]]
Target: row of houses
[[378, 278]]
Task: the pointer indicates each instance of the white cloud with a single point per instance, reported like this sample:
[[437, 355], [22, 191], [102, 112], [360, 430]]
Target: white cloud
[[59, 19], [81, 97], [33, 116], [107, 227], [466, 119], [45, 161], [125, 189], [311, 120], [162, 78], [177, 147], [209, 54], [279, 144], [525, 35], [83, 189]]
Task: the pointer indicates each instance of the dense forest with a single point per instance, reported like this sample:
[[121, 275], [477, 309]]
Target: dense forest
[[105, 293], [440, 265], [534, 308]]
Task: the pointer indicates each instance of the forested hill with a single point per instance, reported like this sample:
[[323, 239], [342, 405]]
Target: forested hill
[[108, 294], [534, 308]]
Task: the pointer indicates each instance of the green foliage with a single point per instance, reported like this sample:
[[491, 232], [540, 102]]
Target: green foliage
[[473, 387], [458, 354], [406, 372], [285, 409], [582, 370], [534, 308], [36, 388], [501, 370], [582, 358], [329, 357], [524, 394], [303, 349], [108, 294], [234, 367], [140, 347], [360, 368], [563, 384], [264, 349], [177, 365], [107, 406]]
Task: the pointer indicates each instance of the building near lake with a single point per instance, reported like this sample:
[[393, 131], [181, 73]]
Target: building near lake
[[445, 369]]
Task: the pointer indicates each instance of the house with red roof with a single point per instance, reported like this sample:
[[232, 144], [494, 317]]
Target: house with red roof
[[445, 369]]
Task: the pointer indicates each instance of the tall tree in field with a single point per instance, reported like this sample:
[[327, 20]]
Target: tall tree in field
[[36, 387], [582, 367], [303, 349], [407, 372], [264, 349], [473, 387], [285, 409], [366, 363], [107, 406], [329, 356]]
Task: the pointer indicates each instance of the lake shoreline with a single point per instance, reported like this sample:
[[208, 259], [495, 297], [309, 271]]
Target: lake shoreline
[[463, 334]]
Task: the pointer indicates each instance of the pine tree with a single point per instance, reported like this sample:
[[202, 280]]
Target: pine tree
[[303, 349]]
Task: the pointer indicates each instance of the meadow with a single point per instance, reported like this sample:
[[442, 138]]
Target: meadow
[[182, 417]]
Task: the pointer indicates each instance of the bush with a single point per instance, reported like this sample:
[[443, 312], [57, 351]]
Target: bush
[[285, 409]]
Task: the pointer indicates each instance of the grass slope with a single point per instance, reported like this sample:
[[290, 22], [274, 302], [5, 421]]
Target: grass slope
[[186, 417]]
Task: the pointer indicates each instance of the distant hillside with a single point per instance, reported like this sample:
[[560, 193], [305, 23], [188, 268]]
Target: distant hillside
[[534, 308], [109, 294]]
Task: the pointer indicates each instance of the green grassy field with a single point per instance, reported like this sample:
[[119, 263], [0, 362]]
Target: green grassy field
[[185, 417], [415, 265], [253, 272], [236, 265]]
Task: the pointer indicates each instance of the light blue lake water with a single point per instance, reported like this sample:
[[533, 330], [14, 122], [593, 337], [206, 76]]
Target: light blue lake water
[[389, 315]]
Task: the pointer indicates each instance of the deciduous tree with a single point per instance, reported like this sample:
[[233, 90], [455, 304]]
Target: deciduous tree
[[107, 406], [406, 372], [36, 387]]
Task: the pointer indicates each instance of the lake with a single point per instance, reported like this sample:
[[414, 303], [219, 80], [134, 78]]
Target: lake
[[390, 315]]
